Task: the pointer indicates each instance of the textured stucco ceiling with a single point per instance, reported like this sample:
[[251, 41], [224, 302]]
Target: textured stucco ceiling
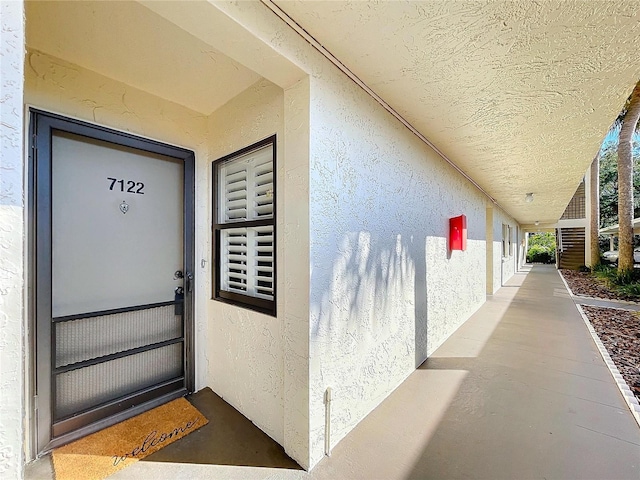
[[519, 94], [127, 42]]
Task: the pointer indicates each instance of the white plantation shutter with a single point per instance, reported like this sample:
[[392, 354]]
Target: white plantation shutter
[[510, 241], [246, 191], [506, 240], [235, 193], [246, 194], [263, 262], [234, 254], [263, 188], [247, 261]]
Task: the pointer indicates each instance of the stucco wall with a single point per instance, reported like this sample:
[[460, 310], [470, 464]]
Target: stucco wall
[[11, 241], [61, 87], [245, 348], [385, 290], [259, 363]]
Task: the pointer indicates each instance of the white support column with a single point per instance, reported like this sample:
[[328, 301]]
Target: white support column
[[587, 211], [489, 247]]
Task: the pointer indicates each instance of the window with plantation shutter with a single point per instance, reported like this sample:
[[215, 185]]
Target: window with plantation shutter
[[507, 240], [244, 229]]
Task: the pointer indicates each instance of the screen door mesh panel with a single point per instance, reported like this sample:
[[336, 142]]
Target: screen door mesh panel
[[87, 387], [87, 338]]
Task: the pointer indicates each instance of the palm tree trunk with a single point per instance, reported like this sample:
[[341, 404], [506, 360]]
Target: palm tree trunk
[[625, 181], [594, 193]]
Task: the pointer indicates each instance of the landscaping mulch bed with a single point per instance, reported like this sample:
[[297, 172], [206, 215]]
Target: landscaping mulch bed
[[619, 331], [582, 283]]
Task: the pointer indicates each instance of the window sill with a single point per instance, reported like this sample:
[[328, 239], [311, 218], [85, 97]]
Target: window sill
[[242, 301]]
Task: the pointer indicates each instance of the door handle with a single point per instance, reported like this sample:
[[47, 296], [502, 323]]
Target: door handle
[[189, 282]]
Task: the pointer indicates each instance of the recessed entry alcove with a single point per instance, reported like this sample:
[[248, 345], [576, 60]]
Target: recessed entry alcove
[[128, 108]]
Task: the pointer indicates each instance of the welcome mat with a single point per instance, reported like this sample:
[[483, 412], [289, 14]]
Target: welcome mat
[[105, 452]]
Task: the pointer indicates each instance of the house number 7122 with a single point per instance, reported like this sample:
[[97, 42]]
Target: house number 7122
[[131, 186]]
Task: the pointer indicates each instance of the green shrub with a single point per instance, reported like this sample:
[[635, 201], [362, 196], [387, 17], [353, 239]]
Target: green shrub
[[603, 267], [546, 239], [542, 248], [632, 289], [604, 271], [627, 277], [627, 283], [541, 254]]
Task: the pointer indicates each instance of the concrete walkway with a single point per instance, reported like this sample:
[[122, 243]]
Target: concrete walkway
[[518, 392]]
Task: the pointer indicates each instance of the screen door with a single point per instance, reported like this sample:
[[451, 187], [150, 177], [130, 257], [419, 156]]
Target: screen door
[[114, 275]]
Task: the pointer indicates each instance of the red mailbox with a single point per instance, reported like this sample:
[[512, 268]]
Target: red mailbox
[[458, 233]]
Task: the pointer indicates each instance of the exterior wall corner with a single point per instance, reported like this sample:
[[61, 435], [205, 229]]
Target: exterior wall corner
[[12, 244], [296, 321]]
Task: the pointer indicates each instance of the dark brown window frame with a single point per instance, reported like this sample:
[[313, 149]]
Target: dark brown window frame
[[244, 301]]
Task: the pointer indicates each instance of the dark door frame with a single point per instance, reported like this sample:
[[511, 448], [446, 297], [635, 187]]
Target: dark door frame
[[42, 124]]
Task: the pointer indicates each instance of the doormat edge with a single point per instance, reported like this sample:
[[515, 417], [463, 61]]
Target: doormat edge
[[107, 451]]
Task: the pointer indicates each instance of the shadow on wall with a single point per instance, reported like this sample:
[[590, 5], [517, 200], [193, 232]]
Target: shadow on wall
[[365, 325], [369, 322], [374, 298], [374, 302], [369, 328]]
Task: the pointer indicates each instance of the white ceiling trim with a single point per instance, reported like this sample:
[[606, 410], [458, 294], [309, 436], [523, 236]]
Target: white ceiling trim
[[318, 46]]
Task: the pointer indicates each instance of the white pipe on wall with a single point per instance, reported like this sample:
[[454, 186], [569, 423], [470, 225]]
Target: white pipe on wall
[[327, 422]]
